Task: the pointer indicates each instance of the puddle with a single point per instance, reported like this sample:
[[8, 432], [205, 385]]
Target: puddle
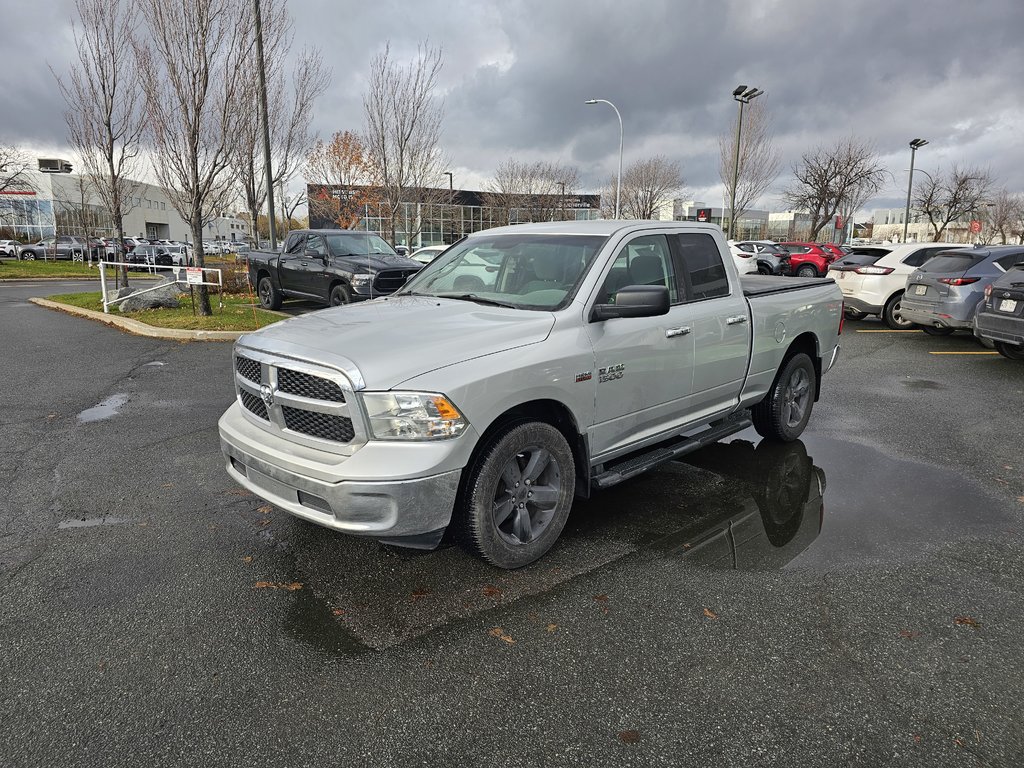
[[105, 410], [89, 522]]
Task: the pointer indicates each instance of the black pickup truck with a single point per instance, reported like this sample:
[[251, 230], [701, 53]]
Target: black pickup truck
[[333, 266]]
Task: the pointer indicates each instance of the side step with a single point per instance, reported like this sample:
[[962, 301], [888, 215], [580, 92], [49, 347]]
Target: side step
[[624, 469]]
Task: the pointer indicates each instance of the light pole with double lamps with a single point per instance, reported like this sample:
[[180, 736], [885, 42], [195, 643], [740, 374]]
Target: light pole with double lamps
[[743, 95]]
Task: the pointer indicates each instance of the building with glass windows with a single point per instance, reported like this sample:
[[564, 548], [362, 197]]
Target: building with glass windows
[[441, 216]]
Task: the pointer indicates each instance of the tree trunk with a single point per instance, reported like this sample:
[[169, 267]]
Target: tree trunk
[[197, 238]]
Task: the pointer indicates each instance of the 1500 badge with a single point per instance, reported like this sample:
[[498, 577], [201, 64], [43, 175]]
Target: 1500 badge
[[611, 372]]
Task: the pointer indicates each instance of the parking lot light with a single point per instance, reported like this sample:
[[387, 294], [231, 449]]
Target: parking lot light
[[915, 144], [618, 182], [743, 95]]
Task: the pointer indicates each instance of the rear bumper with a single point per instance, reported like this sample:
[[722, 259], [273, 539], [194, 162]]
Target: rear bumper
[[860, 305], [938, 314], [997, 327]]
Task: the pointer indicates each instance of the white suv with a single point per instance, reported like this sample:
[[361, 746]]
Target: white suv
[[877, 289]]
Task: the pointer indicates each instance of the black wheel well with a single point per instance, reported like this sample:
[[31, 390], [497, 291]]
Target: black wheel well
[[807, 343], [261, 274], [551, 412]]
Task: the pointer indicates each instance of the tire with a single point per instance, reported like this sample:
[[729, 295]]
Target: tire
[[853, 314], [783, 488], [891, 314], [932, 330], [498, 516], [1010, 351], [786, 409], [806, 270], [763, 269], [270, 297], [77, 256], [986, 343], [340, 294], [28, 255]]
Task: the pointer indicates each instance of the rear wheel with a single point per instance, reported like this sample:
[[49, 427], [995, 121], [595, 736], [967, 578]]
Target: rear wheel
[[28, 255], [270, 297], [518, 495], [933, 330], [786, 409], [892, 317], [77, 256], [806, 270], [1009, 350]]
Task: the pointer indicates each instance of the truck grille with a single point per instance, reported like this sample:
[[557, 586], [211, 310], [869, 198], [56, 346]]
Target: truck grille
[[301, 402], [323, 425], [306, 385], [390, 280]]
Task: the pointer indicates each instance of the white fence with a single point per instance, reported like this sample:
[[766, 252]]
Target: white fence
[[184, 275]]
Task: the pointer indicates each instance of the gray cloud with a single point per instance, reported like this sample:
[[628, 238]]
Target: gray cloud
[[517, 72]]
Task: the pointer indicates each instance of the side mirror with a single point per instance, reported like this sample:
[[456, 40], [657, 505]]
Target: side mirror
[[309, 253], [634, 301]]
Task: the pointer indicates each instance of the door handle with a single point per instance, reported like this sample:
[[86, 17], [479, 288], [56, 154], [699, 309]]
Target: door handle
[[673, 332], [735, 319], [304, 263]]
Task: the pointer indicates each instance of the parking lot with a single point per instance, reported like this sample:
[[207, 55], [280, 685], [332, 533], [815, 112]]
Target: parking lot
[[854, 598]]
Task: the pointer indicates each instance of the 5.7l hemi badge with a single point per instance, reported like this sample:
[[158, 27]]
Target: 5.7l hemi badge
[[611, 372], [585, 376]]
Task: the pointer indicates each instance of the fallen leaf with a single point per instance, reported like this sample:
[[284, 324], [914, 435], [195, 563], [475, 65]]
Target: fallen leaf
[[917, 739], [264, 521], [710, 614], [491, 591], [602, 601], [1020, 499], [686, 546], [266, 509], [290, 586], [907, 634], [499, 633], [552, 627], [421, 592], [629, 737], [958, 741], [338, 611], [966, 621], [247, 559], [167, 485]]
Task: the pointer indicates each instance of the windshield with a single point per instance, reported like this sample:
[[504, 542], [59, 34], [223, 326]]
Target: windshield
[[351, 244], [522, 271]]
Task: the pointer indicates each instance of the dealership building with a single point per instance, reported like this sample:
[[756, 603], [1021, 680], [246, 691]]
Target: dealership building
[[47, 203]]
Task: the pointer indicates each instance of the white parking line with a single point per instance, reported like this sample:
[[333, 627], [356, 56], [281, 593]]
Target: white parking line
[[963, 353]]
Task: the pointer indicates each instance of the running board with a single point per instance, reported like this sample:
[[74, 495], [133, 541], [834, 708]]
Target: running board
[[615, 473]]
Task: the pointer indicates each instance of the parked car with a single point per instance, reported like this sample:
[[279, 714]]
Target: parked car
[[9, 247], [1000, 315], [942, 295], [152, 255], [770, 257], [60, 247], [876, 288], [598, 350], [332, 266], [401, 250], [181, 255], [808, 259], [428, 253], [744, 260]]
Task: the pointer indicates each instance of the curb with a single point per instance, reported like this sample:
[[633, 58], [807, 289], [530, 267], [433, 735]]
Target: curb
[[139, 328]]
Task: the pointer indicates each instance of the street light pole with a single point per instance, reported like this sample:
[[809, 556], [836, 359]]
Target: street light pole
[[915, 144], [271, 230], [562, 199], [451, 198], [743, 95], [618, 182]]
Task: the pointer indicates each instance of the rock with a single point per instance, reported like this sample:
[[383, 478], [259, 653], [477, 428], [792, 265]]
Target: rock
[[164, 294]]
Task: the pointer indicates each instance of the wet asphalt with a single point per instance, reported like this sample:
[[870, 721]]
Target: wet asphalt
[[854, 598]]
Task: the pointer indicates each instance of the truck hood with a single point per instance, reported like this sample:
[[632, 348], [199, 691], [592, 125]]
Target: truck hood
[[392, 340], [376, 263]]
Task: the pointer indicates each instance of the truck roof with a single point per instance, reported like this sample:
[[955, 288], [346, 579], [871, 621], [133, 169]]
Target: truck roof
[[593, 227]]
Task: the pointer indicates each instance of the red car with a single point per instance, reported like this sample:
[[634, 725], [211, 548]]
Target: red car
[[811, 259]]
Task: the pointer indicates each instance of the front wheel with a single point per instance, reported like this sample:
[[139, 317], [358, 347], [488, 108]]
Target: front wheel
[[1011, 351], [785, 410], [77, 256], [270, 297], [340, 295], [891, 314], [28, 256], [933, 330], [806, 270], [518, 495]]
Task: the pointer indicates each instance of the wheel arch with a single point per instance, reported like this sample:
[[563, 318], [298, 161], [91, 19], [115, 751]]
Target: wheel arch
[[807, 343]]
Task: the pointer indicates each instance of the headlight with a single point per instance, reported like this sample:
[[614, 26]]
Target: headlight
[[361, 281], [412, 416]]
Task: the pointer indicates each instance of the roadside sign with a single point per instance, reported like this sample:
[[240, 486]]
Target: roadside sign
[[703, 214], [975, 226], [839, 222], [194, 275]]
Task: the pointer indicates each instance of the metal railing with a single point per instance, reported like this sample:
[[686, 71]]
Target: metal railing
[[190, 276]]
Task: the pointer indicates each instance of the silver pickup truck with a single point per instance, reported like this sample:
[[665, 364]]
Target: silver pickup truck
[[524, 367]]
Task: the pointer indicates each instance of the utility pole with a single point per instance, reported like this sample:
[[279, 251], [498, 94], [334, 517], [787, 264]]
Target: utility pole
[[266, 131]]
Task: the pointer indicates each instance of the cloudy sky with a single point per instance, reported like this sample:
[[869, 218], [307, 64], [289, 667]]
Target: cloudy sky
[[516, 74]]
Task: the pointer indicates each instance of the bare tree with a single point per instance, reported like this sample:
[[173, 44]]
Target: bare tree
[[402, 138], [340, 180], [827, 176], [526, 192], [647, 186], [290, 103], [946, 198], [856, 198], [104, 115], [15, 169], [190, 59], [1000, 215], [759, 160]]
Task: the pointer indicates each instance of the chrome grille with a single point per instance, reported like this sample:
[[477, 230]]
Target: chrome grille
[[248, 367], [306, 385], [254, 404], [390, 280], [323, 425]]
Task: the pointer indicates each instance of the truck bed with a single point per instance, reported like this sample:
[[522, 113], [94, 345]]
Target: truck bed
[[765, 285]]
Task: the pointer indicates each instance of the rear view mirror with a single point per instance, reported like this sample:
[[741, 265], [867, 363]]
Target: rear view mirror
[[634, 301]]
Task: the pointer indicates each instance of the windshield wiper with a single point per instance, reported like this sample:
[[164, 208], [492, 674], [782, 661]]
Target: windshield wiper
[[477, 299]]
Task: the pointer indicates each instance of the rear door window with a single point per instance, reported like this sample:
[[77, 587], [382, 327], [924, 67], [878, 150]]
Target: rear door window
[[920, 256], [701, 266], [951, 262]]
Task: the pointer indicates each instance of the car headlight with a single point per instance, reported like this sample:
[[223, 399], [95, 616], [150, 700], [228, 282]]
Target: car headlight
[[361, 281], [412, 416]]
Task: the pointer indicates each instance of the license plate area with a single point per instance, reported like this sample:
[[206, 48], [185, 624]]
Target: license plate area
[[920, 290], [1008, 305]]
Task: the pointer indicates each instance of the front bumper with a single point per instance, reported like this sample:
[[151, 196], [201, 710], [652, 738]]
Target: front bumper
[[411, 512]]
